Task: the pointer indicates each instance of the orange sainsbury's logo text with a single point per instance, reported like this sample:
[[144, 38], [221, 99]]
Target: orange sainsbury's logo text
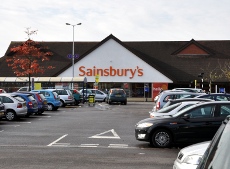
[[110, 71]]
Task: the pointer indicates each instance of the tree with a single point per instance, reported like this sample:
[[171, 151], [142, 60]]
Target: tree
[[27, 57], [212, 74]]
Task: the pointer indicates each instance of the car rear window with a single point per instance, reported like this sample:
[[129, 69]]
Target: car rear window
[[19, 98], [31, 98], [42, 96], [55, 94], [118, 91]]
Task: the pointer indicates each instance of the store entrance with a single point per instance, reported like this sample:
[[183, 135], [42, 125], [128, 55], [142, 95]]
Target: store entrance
[[132, 89]]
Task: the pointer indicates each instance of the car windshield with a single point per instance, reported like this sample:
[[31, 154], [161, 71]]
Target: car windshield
[[169, 108]]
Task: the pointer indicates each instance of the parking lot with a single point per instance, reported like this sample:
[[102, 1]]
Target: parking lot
[[100, 136]]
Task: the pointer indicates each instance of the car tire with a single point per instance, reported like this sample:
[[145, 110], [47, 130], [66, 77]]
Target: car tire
[[62, 103], [161, 138], [109, 102], [50, 107], [125, 103], [11, 115]]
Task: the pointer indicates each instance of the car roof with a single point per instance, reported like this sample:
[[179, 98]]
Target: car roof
[[190, 99]]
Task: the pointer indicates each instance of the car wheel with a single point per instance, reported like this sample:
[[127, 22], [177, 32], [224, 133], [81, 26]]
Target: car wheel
[[109, 102], [161, 138], [10, 115], [50, 107], [62, 103], [125, 103]]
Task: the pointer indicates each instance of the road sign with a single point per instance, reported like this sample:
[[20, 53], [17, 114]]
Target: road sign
[[97, 78]]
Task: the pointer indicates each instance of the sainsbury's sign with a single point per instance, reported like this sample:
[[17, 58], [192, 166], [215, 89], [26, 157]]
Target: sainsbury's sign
[[111, 71]]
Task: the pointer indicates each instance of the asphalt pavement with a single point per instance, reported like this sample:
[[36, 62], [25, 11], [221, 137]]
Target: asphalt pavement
[[85, 136]]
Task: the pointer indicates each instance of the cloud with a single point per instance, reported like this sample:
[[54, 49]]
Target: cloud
[[129, 20]]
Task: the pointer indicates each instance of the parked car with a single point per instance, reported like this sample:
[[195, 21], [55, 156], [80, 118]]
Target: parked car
[[2, 91], [31, 103], [216, 96], [2, 110], [77, 96], [99, 95], [41, 101], [116, 95], [53, 100], [217, 154], [191, 125], [167, 95], [23, 89], [66, 96], [15, 106], [84, 94], [189, 157], [173, 109]]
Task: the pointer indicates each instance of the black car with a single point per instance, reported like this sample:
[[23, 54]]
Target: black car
[[216, 96], [194, 124], [217, 154]]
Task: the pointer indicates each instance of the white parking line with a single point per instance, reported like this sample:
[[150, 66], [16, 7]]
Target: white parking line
[[118, 146], [55, 142], [89, 145]]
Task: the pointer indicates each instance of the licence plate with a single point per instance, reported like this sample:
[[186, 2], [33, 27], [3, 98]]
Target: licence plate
[[118, 95]]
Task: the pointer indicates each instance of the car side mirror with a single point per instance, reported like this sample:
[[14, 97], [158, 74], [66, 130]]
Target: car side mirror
[[186, 116]]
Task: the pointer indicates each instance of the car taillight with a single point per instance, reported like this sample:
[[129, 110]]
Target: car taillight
[[39, 98], [30, 104], [158, 106], [69, 97], [19, 105]]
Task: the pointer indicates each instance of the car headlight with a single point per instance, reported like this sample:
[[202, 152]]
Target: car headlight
[[143, 125], [193, 159]]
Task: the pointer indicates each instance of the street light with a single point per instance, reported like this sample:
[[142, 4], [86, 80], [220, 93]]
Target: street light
[[73, 45]]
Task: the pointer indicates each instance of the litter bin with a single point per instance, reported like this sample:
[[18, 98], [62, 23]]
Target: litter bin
[[91, 98]]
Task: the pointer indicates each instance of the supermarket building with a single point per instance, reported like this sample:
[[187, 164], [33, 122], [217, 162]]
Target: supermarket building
[[141, 68]]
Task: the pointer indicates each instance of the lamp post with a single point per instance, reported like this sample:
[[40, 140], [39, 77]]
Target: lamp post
[[73, 45]]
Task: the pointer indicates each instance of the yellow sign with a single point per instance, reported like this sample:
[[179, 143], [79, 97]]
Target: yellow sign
[[37, 86], [97, 78]]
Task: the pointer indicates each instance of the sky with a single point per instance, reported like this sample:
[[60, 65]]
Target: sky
[[128, 20]]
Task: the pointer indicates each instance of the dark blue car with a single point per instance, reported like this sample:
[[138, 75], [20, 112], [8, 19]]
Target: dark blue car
[[41, 101], [31, 103]]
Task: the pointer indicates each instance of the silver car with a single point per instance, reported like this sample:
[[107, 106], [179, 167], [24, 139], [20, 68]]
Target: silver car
[[14, 106], [66, 97], [165, 96], [189, 157], [100, 96]]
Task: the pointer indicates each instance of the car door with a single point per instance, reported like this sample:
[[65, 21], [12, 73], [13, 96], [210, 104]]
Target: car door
[[99, 96], [198, 124]]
